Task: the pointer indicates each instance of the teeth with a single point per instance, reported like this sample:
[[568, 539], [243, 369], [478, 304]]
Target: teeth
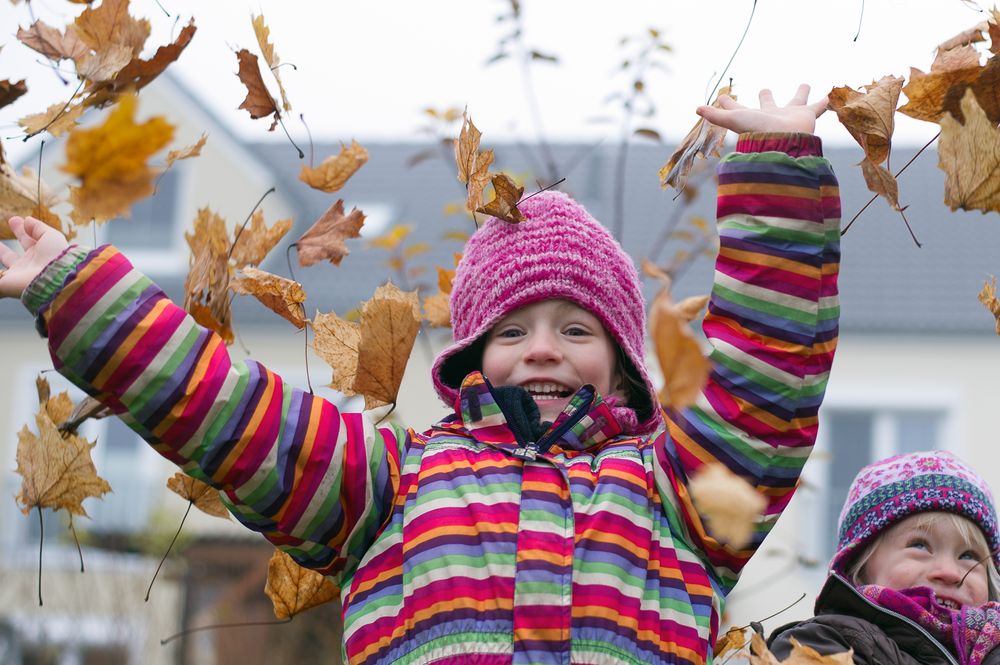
[[546, 390], [950, 604]]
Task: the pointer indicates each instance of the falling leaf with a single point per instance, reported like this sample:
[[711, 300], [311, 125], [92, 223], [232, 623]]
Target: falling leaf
[[727, 503], [204, 497], [759, 653], [56, 119], [110, 162], [257, 240], [704, 140], [941, 91], [24, 195], [506, 195], [691, 307], [733, 640], [334, 171], [56, 472], [110, 24], [684, 366], [186, 152], [103, 66], [88, 408], [259, 103], [473, 166], [279, 294], [270, 56], [53, 43], [206, 286], [391, 240], [336, 341], [437, 311], [868, 116], [325, 238], [9, 91], [139, 73], [969, 155], [389, 325], [881, 181], [965, 38], [988, 296], [294, 589], [800, 655]]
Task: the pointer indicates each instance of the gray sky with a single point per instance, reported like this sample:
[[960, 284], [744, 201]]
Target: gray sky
[[366, 69]]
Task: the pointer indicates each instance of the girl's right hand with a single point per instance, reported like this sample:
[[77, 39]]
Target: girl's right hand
[[40, 244]]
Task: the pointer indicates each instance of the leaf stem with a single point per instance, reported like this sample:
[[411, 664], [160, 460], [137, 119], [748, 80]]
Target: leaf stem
[[733, 56], [860, 17], [76, 540], [58, 115], [247, 221], [169, 547], [41, 539], [244, 624], [285, 129], [302, 119]]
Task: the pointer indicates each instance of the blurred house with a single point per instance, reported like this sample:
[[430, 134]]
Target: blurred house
[[914, 371]]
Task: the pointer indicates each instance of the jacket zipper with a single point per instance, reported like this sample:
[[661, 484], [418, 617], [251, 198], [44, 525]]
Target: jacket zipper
[[906, 620]]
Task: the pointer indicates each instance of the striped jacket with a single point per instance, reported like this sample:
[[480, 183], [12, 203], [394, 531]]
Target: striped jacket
[[448, 545]]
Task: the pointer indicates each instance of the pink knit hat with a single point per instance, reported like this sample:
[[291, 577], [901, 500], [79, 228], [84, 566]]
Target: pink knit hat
[[559, 251], [890, 490]]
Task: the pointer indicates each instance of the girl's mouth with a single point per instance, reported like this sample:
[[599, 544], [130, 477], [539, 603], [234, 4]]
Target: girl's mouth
[[945, 602], [547, 390]]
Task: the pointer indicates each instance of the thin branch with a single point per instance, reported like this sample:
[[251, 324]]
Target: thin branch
[[244, 624], [169, 547], [733, 56]]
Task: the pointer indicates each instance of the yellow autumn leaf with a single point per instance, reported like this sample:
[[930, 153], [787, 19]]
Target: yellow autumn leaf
[[294, 589], [336, 341], [256, 241], [988, 296], [204, 497], [389, 325], [335, 170], [728, 504], [263, 34], [279, 294], [685, 368]]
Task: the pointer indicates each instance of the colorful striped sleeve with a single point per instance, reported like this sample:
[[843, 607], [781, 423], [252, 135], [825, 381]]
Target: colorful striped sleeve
[[316, 482], [772, 324]]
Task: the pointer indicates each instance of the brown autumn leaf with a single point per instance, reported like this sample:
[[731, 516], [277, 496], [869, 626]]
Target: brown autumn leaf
[[506, 195], [334, 171], [263, 34], [88, 408], [56, 119], [58, 408], [759, 653], [22, 195], [204, 497], [966, 38], [473, 166], [437, 311], [704, 140], [102, 66], [941, 91], [256, 241], [187, 152], [684, 366], [958, 57], [969, 155], [325, 238], [294, 589], [56, 472], [733, 640], [10, 91], [206, 287], [110, 162], [868, 116], [336, 341], [53, 43], [881, 181], [110, 24], [993, 30], [728, 504], [259, 103], [988, 296], [389, 323], [804, 655], [282, 296]]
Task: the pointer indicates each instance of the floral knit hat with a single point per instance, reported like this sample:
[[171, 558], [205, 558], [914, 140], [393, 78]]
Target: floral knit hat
[[892, 489], [559, 251]]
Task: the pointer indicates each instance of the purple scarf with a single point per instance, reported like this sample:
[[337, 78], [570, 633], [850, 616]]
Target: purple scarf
[[971, 632]]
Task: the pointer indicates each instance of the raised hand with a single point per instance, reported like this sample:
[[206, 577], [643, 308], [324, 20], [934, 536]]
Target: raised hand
[[40, 244], [797, 116]]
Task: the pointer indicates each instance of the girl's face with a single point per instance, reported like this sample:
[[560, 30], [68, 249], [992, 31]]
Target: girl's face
[[933, 554], [551, 348]]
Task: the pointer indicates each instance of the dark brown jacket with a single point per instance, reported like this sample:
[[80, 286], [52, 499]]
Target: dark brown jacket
[[845, 619]]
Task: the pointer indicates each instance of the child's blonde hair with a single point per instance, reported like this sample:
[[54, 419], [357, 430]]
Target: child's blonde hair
[[972, 537]]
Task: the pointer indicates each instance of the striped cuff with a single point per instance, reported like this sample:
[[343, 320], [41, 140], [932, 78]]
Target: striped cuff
[[47, 283], [793, 144]]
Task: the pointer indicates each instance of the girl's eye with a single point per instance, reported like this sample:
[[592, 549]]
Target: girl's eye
[[509, 332], [577, 331], [918, 543], [969, 555]]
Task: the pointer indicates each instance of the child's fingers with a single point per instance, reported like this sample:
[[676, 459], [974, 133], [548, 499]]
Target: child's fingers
[[20, 226], [801, 96], [728, 103], [766, 99], [36, 228], [820, 106], [7, 256]]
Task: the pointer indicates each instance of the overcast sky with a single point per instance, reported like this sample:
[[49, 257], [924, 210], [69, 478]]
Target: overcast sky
[[366, 69]]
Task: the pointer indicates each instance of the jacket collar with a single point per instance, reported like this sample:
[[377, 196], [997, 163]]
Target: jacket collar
[[586, 421]]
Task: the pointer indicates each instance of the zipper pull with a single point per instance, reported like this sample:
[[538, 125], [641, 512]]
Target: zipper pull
[[528, 451]]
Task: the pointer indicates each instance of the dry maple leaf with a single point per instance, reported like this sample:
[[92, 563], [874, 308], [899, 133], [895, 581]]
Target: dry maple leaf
[[335, 170], [880, 181], [733, 640], [110, 24], [336, 341], [56, 119], [325, 238], [87, 408], [437, 311], [759, 653], [969, 155], [280, 295], [988, 296], [10, 91], [868, 116], [270, 55], [294, 589], [256, 241], [204, 497], [473, 166], [728, 504], [207, 282], [800, 655], [704, 140], [684, 366], [933, 94], [389, 323], [506, 195], [259, 103], [24, 195], [187, 152], [56, 472], [110, 162], [52, 42]]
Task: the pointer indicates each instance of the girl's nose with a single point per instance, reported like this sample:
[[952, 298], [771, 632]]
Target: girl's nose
[[542, 347], [946, 571]]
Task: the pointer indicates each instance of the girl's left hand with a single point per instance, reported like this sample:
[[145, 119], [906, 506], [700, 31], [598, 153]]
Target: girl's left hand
[[797, 116], [39, 243]]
